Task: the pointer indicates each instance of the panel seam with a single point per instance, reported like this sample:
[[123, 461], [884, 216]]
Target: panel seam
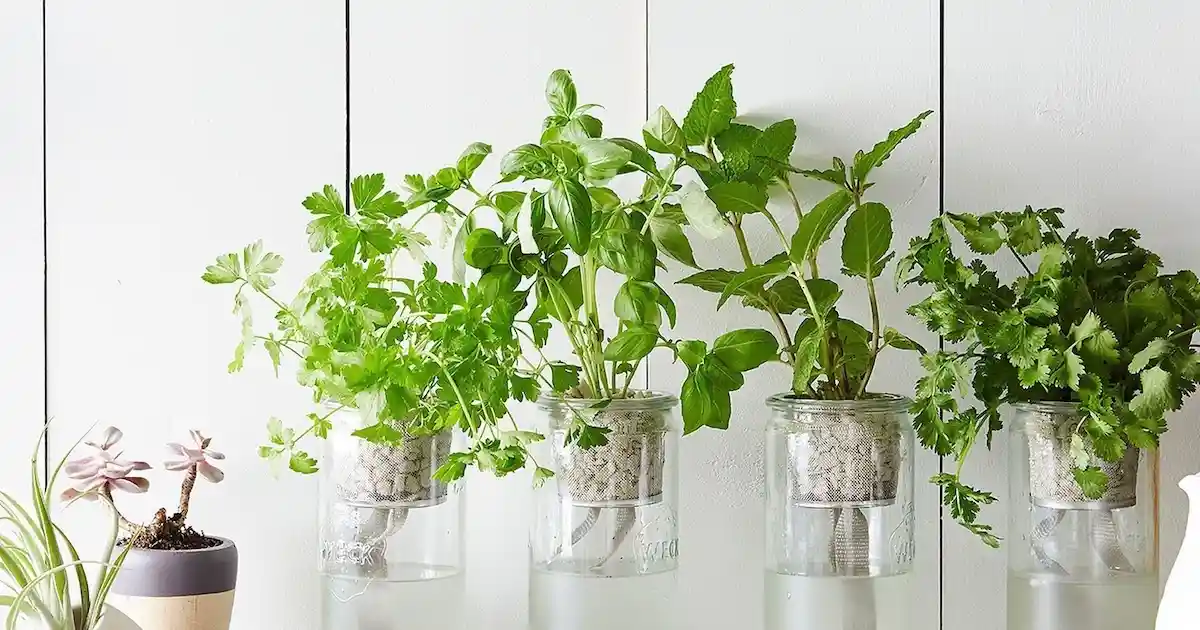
[[347, 72], [941, 338], [45, 277]]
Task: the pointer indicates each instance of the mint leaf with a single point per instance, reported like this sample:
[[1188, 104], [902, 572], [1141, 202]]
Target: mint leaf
[[752, 277], [737, 197], [867, 241], [712, 110], [865, 163], [816, 226]]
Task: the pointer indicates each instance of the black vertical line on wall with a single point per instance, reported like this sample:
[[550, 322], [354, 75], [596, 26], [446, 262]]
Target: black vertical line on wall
[[941, 339], [347, 189], [45, 275]]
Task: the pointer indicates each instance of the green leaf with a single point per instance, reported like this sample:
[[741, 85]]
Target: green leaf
[[563, 376], [805, 356], [816, 226], [671, 240], [300, 462], [380, 433], [755, 274], [365, 188], [631, 344], [637, 303], [774, 148], [738, 197], [713, 280], [662, 135], [1069, 371], [637, 154], [560, 93], [1156, 348], [864, 163], [867, 241], [1089, 326], [587, 436], [571, 207], [529, 161], [1092, 481], [703, 404], [722, 377], [737, 145], [1155, 397], [897, 340], [746, 349], [227, 269], [541, 476], [712, 110], [691, 352], [471, 158], [484, 248], [701, 211], [602, 158], [980, 233], [627, 252]]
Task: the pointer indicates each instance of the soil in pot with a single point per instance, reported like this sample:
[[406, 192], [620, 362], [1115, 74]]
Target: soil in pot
[[169, 533]]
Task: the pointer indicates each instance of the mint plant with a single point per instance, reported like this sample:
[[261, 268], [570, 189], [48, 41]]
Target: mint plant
[[559, 224], [831, 357], [1091, 321], [418, 354]]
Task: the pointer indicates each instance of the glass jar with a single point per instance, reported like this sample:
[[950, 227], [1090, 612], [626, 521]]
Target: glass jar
[[1074, 562], [605, 543], [391, 535], [839, 512]]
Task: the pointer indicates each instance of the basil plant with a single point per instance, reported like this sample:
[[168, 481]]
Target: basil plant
[[831, 357], [418, 354], [557, 223]]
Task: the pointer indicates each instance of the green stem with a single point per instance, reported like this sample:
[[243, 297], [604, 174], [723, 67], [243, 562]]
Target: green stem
[[748, 260], [1028, 271], [862, 387], [663, 190]]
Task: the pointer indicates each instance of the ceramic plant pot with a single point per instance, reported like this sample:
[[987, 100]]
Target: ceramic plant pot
[[174, 590]]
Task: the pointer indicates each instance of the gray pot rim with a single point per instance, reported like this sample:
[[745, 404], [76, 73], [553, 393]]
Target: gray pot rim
[[178, 572]]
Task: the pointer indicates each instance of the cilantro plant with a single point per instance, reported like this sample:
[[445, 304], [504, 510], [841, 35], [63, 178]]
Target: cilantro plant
[[559, 223], [419, 354], [1089, 321], [831, 357]]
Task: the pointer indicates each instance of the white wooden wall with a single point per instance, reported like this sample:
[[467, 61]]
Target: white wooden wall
[[176, 131]]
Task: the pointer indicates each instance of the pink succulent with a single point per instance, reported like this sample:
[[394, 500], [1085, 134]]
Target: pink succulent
[[197, 457], [101, 472]]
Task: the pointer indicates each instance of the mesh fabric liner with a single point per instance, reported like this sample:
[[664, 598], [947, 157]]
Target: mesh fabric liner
[[1048, 428], [375, 486], [1051, 480], [628, 470], [843, 457]]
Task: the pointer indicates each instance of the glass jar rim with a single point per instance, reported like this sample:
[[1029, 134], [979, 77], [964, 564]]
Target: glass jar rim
[[789, 401], [1046, 406], [654, 400]]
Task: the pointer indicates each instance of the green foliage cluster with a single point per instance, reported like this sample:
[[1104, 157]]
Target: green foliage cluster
[[1089, 321], [831, 357], [566, 223], [417, 354]]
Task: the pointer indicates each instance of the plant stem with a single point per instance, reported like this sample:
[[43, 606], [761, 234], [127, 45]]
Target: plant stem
[[125, 523], [185, 493], [862, 387], [748, 260], [1028, 271], [663, 189]]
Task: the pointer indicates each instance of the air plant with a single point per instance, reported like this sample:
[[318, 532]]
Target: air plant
[[36, 555]]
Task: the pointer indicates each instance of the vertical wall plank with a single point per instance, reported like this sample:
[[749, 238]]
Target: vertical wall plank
[[847, 72], [21, 255], [1088, 107], [180, 131], [429, 78]]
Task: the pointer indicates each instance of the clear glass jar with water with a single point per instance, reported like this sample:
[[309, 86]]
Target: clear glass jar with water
[[1077, 562], [391, 536], [839, 514], [604, 542]]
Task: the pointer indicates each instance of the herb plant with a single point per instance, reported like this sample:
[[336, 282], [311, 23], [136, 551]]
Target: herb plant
[[1089, 321], [37, 558], [559, 223], [831, 357], [417, 355]]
